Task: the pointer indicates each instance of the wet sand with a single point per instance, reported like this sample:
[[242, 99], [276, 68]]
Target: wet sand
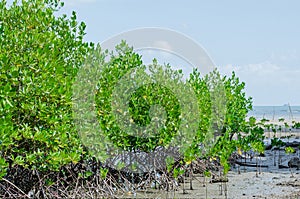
[[272, 183], [244, 186]]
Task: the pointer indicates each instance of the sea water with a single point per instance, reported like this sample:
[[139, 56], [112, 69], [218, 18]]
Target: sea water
[[273, 113]]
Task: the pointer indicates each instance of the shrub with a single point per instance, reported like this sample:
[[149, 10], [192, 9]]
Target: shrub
[[39, 58]]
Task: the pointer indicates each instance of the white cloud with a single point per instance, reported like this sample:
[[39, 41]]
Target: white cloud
[[163, 45], [288, 56], [268, 83], [288, 60], [257, 68]]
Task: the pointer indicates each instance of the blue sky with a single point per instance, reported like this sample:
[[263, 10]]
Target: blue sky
[[260, 40]]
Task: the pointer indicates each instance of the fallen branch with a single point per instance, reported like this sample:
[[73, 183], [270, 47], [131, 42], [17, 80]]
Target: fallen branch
[[15, 187], [249, 165], [217, 180]]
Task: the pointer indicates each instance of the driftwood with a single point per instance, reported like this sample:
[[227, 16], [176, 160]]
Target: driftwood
[[249, 164], [217, 180], [282, 167]]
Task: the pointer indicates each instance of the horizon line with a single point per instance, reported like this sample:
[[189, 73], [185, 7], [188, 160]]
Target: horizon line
[[276, 105]]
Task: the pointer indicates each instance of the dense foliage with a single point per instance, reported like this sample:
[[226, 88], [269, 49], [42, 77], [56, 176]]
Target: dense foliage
[[39, 58], [222, 104], [40, 55], [127, 131]]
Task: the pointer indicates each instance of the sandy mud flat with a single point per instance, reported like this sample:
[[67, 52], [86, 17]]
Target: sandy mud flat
[[271, 183]]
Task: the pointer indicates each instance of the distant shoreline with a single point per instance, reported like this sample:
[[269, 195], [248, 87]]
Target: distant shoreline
[[274, 113]]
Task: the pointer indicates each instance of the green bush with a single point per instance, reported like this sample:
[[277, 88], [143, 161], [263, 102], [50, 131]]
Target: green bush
[[124, 62], [296, 125], [39, 58], [222, 104]]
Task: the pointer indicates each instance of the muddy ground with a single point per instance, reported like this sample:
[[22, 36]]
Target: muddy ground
[[243, 182]]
